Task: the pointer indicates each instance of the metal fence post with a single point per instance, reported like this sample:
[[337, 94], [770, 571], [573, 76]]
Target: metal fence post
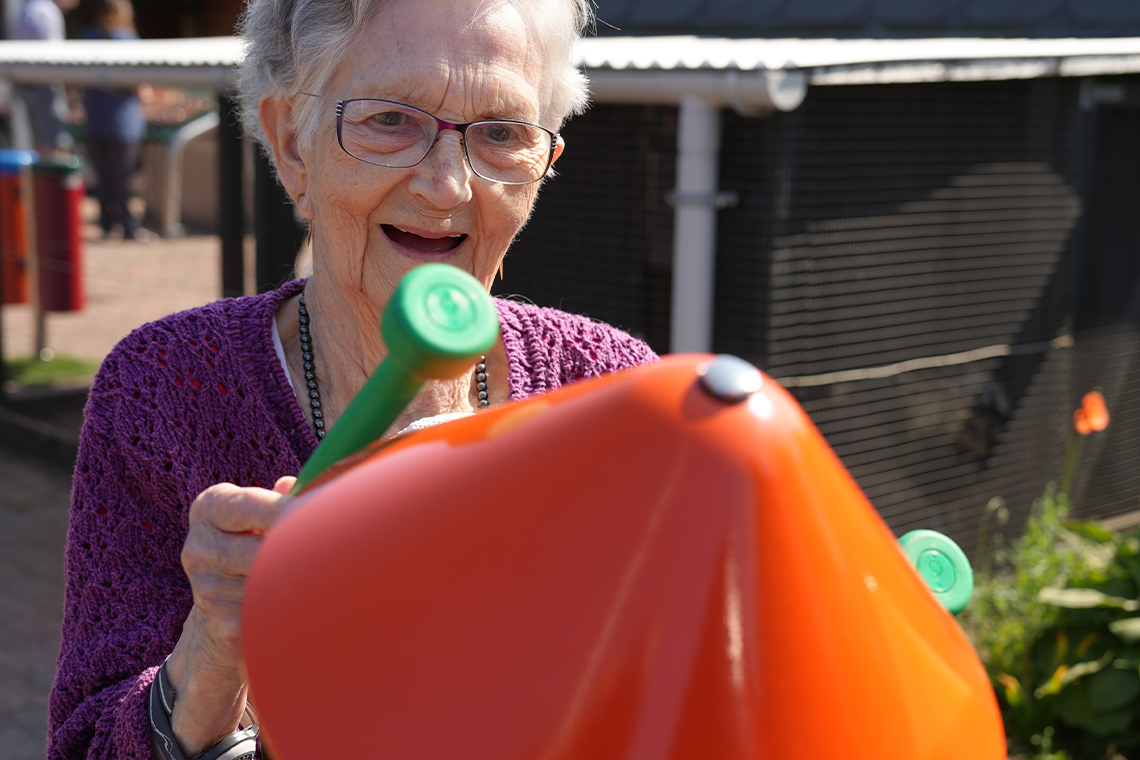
[[278, 236], [231, 211]]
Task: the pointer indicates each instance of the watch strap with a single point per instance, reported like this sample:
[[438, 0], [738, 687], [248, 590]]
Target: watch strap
[[240, 745]]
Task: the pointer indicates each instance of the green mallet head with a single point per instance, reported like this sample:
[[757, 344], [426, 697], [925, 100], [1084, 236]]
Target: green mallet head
[[438, 320], [943, 565]]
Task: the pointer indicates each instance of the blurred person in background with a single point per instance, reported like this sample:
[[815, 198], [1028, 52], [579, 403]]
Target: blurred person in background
[[406, 132], [47, 107], [115, 128]]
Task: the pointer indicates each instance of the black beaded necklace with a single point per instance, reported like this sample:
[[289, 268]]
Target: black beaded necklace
[[311, 375]]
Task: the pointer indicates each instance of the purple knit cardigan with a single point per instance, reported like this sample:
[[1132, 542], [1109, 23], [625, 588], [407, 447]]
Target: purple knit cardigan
[[191, 400]]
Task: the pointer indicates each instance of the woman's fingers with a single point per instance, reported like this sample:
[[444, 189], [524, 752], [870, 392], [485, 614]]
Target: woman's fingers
[[236, 510], [284, 485], [215, 552], [227, 524]]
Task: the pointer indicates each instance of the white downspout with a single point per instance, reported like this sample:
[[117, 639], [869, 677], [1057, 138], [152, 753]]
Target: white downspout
[[694, 226], [700, 94]]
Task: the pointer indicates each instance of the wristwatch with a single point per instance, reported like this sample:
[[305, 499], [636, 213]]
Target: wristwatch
[[240, 745]]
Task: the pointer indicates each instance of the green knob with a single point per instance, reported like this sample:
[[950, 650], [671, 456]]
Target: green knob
[[438, 321], [943, 565]]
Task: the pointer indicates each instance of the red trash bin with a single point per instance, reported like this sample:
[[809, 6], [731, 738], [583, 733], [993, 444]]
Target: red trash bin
[[13, 227], [59, 240]]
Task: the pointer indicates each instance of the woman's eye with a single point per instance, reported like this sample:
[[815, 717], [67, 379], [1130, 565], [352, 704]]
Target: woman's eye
[[500, 133], [390, 118]]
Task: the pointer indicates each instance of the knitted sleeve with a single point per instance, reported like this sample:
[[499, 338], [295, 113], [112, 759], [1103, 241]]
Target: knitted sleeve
[[548, 348], [126, 596], [176, 407]]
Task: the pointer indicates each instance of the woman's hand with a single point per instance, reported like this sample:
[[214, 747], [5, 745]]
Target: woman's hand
[[206, 670]]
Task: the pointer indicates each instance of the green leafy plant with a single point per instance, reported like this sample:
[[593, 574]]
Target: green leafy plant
[[1057, 625], [1081, 674]]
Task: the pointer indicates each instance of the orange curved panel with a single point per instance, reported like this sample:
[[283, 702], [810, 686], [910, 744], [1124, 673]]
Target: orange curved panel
[[628, 568]]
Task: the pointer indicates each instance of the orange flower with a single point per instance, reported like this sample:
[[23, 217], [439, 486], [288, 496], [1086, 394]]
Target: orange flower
[[1093, 414]]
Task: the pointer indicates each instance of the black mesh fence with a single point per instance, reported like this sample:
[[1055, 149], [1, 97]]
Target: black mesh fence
[[937, 271], [601, 239]]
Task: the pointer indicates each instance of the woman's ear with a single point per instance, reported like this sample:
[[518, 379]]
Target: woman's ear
[[276, 116], [559, 146]]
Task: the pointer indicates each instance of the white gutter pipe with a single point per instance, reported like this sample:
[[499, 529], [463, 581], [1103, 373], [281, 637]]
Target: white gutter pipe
[[700, 96], [694, 226], [751, 93]]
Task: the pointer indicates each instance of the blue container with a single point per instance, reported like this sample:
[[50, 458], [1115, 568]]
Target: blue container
[[11, 160]]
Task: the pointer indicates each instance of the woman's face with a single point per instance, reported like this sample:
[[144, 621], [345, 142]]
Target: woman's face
[[460, 61]]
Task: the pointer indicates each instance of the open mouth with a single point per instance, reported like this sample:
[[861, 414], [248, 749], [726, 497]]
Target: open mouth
[[440, 244]]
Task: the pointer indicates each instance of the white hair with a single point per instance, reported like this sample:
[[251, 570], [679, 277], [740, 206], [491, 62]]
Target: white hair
[[294, 46]]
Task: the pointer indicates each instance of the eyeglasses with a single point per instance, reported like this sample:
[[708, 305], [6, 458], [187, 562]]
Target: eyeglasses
[[398, 136]]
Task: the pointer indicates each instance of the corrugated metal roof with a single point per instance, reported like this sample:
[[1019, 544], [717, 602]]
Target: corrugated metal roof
[[199, 51], [688, 52], [188, 62], [671, 53], [209, 61]]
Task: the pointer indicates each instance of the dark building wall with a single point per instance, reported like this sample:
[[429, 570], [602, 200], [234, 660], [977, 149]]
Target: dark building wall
[[601, 240], [916, 221], [871, 18], [162, 19], [888, 224]]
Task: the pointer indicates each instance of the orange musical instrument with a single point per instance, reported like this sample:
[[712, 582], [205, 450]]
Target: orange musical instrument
[[667, 563]]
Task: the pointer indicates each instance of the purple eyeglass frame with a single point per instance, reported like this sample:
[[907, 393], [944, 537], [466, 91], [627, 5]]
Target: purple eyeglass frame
[[441, 127]]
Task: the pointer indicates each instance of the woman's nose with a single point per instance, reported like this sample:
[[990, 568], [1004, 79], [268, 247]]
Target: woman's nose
[[443, 178]]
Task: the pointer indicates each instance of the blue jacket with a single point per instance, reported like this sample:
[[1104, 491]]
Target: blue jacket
[[113, 114]]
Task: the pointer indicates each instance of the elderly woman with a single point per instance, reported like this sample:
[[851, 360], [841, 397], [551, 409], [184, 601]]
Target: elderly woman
[[406, 131]]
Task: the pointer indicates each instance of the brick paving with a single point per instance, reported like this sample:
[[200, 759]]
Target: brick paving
[[127, 284], [33, 524]]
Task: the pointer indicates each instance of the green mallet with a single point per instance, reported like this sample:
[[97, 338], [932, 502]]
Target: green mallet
[[439, 320], [943, 565]]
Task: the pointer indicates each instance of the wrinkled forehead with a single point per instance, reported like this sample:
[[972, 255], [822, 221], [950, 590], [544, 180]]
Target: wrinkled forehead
[[446, 56]]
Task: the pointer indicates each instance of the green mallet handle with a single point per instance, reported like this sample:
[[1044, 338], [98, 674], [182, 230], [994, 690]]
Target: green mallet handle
[[439, 320]]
